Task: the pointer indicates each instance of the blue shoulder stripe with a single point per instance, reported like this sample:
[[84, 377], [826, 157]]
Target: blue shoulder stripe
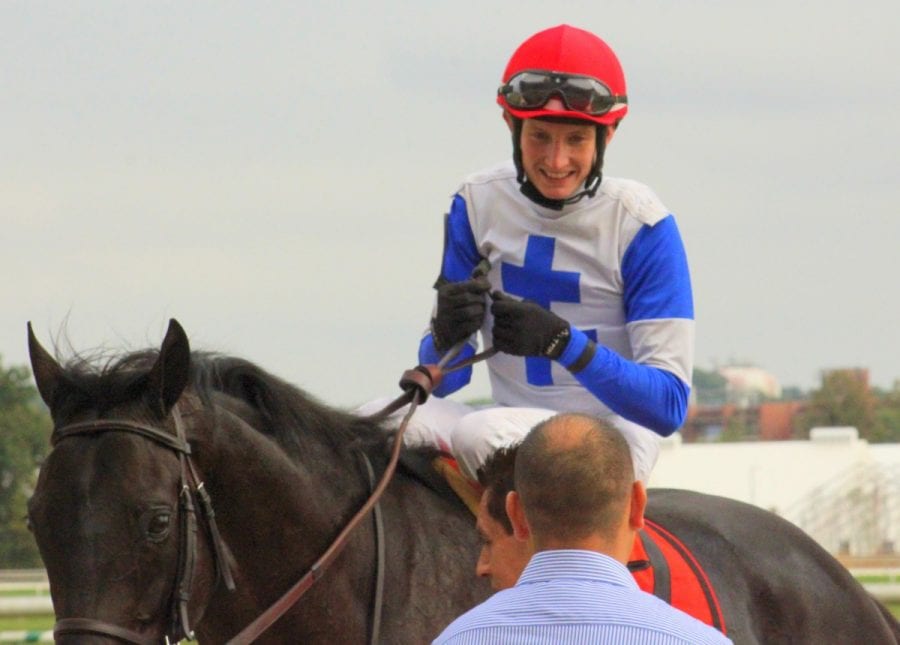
[[656, 276], [460, 252]]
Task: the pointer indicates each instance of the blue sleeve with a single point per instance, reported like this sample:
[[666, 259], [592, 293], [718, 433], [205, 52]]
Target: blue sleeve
[[657, 283], [657, 290], [649, 396], [460, 252], [459, 260]]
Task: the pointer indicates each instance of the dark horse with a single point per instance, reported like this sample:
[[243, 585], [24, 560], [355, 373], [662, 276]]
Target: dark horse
[[285, 475], [126, 561]]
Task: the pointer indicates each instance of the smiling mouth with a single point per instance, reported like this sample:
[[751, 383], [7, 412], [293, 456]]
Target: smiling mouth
[[556, 176]]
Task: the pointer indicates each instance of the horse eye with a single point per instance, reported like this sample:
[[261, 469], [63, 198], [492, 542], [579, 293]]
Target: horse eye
[[159, 527], [157, 524]]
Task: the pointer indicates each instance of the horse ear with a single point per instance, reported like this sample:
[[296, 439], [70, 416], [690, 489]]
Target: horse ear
[[48, 375], [169, 375]]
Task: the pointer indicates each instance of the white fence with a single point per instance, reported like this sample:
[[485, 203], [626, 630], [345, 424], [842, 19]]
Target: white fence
[[34, 583], [857, 512], [26, 637], [31, 589]]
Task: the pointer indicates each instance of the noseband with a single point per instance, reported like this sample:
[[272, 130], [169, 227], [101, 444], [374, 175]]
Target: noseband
[[191, 491]]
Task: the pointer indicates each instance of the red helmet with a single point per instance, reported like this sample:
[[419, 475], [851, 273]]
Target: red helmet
[[560, 53]]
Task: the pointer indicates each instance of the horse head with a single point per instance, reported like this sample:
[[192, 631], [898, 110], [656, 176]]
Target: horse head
[[134, 552], [114, 508]]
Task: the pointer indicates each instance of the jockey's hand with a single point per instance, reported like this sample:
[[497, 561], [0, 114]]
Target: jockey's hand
[[525, 328], [460, 311]]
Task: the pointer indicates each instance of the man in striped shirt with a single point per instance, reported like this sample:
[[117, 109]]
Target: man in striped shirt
[[502, 557], [577, 501]]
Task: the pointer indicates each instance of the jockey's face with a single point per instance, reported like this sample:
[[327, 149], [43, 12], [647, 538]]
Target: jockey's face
[[557, 157], [502, 556]]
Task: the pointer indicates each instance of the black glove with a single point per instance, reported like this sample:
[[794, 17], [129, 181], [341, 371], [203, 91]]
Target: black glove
[[525, 328], [460, 311]]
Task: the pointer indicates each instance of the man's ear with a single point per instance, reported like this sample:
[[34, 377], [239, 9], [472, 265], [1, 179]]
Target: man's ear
[[638, 504], [509, 122], [516, 513]]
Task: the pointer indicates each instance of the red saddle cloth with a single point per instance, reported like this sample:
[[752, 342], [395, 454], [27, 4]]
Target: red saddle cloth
[[662, 565]]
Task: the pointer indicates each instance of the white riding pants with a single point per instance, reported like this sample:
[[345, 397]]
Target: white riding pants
[[471, 435]]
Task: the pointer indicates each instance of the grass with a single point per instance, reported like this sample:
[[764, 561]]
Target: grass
[[895, 608], [881, 579], [10, 593], [35, 622]]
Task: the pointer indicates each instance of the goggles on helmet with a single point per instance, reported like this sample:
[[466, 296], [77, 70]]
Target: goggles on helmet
[[530, 90]]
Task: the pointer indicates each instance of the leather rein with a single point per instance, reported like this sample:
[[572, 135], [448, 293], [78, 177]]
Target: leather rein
[[417, 384]]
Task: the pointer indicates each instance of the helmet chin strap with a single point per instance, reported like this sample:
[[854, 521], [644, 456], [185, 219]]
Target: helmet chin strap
[[591, 182]]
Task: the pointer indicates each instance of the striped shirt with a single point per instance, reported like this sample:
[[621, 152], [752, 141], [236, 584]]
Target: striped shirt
[[570, 596]]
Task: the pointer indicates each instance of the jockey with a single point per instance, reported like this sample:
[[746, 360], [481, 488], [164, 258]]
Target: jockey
[[588, 296]]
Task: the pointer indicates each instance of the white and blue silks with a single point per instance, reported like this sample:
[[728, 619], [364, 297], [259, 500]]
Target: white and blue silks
[[614, 267]]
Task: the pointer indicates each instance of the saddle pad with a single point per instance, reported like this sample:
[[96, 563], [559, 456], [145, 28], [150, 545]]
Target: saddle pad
[[468, 491], [662, 565]]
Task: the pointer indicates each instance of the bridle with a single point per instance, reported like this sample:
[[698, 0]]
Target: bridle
[[417, 384], [192, 493]]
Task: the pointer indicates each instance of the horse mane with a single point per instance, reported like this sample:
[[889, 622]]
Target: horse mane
[[286, 413]]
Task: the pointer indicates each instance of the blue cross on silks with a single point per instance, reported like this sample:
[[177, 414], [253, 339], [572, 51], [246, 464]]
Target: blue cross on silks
[[536, 280]]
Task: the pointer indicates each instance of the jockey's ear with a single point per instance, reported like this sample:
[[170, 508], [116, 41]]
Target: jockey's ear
[[637, 505], [516, 513]]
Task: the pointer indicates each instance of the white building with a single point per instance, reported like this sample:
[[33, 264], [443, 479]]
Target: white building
[[746, 385], [838, 488]]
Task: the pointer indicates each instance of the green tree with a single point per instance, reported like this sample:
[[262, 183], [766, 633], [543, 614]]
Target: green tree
[[740, 426], [844, 399], [887, 416], [792, 393], [709, 387], [24, 428]]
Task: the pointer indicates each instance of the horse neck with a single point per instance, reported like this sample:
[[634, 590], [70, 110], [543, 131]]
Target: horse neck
[[255, 483], [279, 516]]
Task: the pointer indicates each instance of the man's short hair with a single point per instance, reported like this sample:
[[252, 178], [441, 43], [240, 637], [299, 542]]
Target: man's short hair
[[573, 488], [496, 476]]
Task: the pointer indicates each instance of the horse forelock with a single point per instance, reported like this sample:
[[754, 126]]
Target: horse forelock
[[101, 382]]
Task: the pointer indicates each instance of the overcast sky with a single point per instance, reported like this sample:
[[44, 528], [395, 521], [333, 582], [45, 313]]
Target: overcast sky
[[274, 174]]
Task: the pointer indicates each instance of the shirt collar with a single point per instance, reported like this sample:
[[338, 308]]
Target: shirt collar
[[575, 563]]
